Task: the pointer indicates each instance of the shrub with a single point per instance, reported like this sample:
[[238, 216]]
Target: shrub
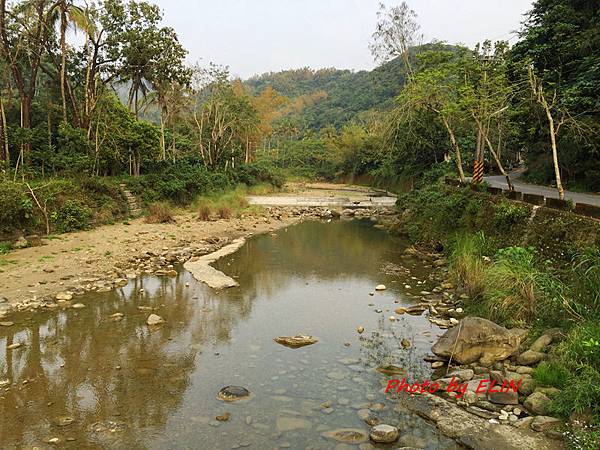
[[159, 213], [508, 214], [72, 216], [261, 171], [224, 212], [16, 207], [204, 212], [582, 346]]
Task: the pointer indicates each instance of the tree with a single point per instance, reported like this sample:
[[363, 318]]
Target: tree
[[561, 39], [487, 95], [396, 32], [435, 87], [76, 16], [225, 117], [557, 115], [24, 33]]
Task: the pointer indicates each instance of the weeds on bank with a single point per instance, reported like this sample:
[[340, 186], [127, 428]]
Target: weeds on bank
[[159, 212], [517, 288], [225, 205], [467, 264], [551, 373], [511, 288]]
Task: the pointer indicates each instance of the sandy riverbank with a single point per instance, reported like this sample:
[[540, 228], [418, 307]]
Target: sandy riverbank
[[66, 262]]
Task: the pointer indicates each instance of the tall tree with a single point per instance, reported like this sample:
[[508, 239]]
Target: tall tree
[[396, 32], [24, 32], [436, 87], [487, 96]]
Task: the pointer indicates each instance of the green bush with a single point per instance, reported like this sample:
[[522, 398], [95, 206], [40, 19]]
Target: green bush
[[261, 171], [508, 214], [16, 208], [72, 216], [582, 346]]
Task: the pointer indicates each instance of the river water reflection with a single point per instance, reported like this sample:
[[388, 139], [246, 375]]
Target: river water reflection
[[83, 378]]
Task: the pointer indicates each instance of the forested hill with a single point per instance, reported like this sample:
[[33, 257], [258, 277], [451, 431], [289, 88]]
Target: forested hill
[[332, 96]]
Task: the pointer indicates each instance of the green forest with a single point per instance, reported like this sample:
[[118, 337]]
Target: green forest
[[121, 102]]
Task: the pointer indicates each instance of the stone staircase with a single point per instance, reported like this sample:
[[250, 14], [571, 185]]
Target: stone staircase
[[134, 207]]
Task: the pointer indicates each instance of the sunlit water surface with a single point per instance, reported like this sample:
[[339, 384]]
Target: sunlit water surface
[[84, 380]]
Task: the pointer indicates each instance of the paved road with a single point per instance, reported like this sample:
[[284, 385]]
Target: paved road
[[499, 181]]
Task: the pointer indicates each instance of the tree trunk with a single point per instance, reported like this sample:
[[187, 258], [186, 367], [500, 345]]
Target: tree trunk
[[163, 144], [456, 149], [63, 58], [559, 186], [485, 137], [4, 148]]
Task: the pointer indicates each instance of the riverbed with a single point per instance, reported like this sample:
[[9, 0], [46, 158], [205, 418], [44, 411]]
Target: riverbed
[[99, 377]]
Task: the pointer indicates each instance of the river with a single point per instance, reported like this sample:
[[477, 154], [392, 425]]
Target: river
[[99, 377]]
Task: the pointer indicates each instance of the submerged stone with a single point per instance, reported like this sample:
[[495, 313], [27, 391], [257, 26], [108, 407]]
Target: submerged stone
[[154, 319], [390, 369], [347, 435], [233, 393]]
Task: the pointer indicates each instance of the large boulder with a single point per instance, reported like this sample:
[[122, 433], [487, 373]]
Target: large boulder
[[477, 339]]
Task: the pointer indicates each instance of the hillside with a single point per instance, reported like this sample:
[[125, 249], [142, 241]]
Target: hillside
[[333, 96]]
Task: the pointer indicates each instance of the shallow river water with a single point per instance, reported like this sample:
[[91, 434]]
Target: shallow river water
[[82, 379]]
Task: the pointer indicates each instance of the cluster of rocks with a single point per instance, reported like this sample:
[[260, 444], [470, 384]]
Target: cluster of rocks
[[320, 212], [482, 350]]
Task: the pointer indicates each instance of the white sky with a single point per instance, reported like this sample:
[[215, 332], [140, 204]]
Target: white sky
[[256, 36]]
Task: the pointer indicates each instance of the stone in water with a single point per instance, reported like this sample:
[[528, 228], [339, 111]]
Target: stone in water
[[384, 434], [297, 341], [233, 393], [153, 319]]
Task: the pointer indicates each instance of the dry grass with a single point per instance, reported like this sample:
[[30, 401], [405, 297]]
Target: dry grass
[[159, 213], [224, 212], [204, 212]]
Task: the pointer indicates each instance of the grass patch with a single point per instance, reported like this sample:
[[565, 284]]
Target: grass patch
[[262, 189], [5, 247], [224, 212], [467, 265], [159, 212], [586, 280], [7, 262], [224, 205], [204, 212], [551, 373], [520, 293]]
